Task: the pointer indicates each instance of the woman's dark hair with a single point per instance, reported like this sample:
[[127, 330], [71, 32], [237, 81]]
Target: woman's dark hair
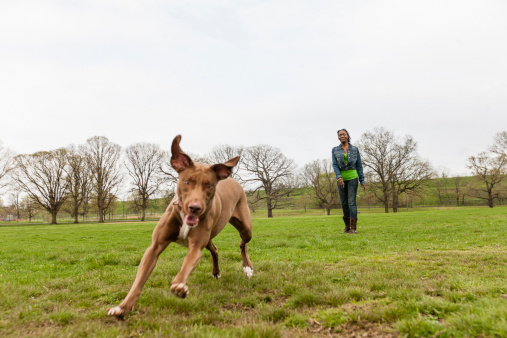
[[345, 130]]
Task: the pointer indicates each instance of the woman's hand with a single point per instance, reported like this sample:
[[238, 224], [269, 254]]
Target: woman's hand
[[341, 183]]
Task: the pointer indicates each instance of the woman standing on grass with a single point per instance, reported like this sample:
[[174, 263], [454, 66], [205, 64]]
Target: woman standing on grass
[[348, 169]]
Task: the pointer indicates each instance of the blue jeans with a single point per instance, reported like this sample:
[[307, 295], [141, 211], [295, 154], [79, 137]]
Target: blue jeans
[[348, 198]]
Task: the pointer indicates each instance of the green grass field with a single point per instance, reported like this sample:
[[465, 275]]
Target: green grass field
[[426, 273]]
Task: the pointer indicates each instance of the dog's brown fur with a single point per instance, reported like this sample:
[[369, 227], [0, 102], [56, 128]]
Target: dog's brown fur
[[206, 194]]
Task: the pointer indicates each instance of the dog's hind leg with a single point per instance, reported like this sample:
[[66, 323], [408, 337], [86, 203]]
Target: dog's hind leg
[[242, 221], [214, 255]]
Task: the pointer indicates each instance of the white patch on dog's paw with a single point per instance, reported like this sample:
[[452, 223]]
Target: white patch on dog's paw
[[180, 290], [248, 271], [217, 276], [115, 311]]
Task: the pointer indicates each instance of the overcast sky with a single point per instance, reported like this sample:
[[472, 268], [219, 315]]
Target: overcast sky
[[284, 73]]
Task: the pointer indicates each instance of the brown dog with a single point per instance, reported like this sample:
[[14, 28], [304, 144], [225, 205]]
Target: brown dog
[[206, 200]]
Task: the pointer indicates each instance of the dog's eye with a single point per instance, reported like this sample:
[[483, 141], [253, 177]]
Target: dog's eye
[[209, 186], [187, 182]]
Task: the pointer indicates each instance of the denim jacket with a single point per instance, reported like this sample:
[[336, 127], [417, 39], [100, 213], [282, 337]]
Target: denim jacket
[[354, 161]]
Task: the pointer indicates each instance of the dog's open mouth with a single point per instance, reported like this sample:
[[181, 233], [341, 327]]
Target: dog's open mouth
[[191, 220]]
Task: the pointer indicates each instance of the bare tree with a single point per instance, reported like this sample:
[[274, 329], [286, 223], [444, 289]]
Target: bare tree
[[269, 170], [377, 150], [143, 161], [410, 178], [87, 200], [16, 201], [29, 206], [499, 146], [42, 176], [320, 177], [3, 211], [408, 171], [103, 157], [500, 149], [459, 185], [7, 212], [393, 166], [6, 164], [368, 198], [79, 180], [489, 170], [110, 205], [304, 200], [378, 188], [441, 185], [133, 203], [253, 201]]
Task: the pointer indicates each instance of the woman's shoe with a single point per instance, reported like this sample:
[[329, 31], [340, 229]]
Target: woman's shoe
[[353, 226], [347, 224]]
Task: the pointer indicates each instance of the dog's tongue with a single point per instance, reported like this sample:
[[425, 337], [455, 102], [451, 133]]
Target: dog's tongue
[[191, 220]]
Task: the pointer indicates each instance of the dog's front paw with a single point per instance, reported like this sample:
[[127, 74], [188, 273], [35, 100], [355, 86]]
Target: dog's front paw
[[248, 271], [117, 312], [180, 290], [217, 275]]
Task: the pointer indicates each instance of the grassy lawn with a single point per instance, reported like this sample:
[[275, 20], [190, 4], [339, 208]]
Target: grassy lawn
[[423, 273]]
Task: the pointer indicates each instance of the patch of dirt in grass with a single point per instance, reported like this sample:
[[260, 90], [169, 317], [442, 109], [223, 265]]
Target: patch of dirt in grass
[[362, 307], [278, 301], [368, 330], [433, 292]]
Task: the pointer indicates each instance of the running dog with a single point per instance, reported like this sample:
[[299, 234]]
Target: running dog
[[206, 200]]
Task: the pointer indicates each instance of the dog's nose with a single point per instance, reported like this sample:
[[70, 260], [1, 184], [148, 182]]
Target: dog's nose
[[194, 208]]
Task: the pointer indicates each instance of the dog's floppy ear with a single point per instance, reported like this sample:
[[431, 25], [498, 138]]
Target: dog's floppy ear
[[179, 160], [224, 170]]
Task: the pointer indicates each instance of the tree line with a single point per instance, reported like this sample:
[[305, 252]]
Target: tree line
[[90, 177]]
